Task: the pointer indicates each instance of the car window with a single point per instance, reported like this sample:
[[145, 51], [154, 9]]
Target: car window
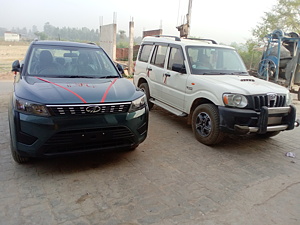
[[69, 61], [159, 55], [175, 57], [211, 60], [145, 53]]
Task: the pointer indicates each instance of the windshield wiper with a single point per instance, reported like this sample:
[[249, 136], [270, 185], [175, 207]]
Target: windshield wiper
[[112, 76], [214, 73], [238, 73], [77, 76]]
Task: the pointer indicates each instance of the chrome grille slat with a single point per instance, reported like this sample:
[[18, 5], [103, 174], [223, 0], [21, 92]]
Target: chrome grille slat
[[61, 110]]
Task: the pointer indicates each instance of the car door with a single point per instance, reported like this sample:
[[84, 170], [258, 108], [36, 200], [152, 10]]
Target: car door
[[156, 70], [174, 83]]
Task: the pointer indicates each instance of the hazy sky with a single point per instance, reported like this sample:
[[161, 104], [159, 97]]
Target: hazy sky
[[225, 21]]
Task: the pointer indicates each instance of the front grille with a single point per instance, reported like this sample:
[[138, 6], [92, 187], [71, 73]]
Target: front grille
[[88, 139], [60, 110], [269, 101]]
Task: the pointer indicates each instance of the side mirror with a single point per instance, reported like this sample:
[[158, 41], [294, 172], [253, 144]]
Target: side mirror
[[120, 68], [16, 66], [180, 68]]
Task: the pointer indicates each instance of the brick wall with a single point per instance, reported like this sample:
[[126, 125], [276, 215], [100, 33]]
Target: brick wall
[[122, 53]]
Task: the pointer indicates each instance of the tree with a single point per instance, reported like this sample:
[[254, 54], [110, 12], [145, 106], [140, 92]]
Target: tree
[[249, 53], [285, 16], [41, 35]]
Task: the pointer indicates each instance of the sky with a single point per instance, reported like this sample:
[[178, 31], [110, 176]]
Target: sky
[[225, 21]]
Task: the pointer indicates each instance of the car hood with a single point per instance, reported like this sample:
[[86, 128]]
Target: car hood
[[247, 85], [75, 90]]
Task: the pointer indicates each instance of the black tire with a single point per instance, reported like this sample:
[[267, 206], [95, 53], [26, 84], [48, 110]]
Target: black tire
[[145, 88], [268, 134], [205, 124], [19, 159]]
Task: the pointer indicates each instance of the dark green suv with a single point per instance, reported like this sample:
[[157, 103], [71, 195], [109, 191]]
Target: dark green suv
[[70, 98]]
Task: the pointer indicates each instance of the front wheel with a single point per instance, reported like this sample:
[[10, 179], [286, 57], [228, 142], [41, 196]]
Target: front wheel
[[145, 88], [19, 159], [205, 124], [268, 134]]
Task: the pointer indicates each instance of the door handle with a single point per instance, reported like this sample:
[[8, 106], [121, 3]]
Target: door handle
[[167, 74], [149, 69]]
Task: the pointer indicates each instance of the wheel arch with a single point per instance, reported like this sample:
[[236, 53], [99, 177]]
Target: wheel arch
[[141, 80], [196, 102]]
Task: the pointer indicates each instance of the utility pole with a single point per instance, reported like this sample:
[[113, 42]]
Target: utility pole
[[184, 29], [188, 17]]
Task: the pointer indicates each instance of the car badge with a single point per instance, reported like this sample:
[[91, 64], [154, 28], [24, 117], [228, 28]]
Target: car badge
[[272, 97], [93, 109]]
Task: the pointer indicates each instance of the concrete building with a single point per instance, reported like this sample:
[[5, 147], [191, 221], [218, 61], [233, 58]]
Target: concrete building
[[11, 36]]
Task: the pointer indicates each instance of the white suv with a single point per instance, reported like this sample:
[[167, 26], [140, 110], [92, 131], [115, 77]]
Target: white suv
[[210, 85]]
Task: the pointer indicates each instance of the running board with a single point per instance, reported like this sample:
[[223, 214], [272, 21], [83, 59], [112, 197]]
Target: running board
[[168, 108]]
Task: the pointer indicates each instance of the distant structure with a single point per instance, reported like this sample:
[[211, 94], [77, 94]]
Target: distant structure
[[108, 39], [184, 29], [152, 32], [11, 36]]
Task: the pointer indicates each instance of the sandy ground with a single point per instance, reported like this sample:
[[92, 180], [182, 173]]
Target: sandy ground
[[9, 52]]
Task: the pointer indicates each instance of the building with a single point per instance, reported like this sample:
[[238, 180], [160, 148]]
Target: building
[[11, 36]]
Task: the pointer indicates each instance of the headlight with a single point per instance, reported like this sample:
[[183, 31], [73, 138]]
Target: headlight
[[28, 107], [235, 100], [289, 99], [138, 104]]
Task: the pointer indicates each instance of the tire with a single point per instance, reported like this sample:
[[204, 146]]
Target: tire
[[268, 134], [145, 88], [17, 158], [205, 124]]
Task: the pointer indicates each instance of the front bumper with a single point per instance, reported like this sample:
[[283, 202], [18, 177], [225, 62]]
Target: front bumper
[[35, 136], [243, 121]]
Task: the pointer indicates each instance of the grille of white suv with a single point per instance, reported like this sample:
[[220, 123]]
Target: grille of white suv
[[268, 101]]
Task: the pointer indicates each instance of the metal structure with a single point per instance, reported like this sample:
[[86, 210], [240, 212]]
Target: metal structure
[[280, 61], [184, 29]]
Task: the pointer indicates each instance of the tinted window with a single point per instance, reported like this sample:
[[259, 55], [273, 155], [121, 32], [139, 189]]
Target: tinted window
[[145, 52], [175, 57], [159, 55], [69, 61]]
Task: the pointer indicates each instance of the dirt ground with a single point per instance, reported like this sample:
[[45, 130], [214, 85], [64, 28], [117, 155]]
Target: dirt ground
[[9, 52]]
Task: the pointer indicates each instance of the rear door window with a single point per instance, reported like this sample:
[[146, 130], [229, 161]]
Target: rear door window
[[159, 56], [145, 53]]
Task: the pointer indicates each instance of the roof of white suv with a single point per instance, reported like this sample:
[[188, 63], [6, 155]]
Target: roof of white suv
[[182, 41]]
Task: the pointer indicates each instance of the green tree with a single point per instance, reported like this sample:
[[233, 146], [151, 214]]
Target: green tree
[[249, 53], [285, 16], [41, 35]]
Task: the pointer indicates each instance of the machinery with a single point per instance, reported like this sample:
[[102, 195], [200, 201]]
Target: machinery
[[280, 61]]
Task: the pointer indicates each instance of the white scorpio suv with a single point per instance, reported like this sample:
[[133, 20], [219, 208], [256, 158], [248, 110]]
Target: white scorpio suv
[[210, 85]]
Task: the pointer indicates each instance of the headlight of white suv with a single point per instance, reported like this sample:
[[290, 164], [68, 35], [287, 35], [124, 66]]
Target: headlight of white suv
[[138, 104], [235, 100], [28, 107], [289, 99]]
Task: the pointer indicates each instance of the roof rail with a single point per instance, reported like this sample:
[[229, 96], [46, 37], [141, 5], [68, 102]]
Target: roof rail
[[92, 43], [201, 39], [170, 36]]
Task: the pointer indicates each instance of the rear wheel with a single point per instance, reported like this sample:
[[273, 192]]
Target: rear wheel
[[205, 124], [145, 88]]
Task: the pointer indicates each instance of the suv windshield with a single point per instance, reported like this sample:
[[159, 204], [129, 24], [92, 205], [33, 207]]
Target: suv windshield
[[63, 61], [214, 61]]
